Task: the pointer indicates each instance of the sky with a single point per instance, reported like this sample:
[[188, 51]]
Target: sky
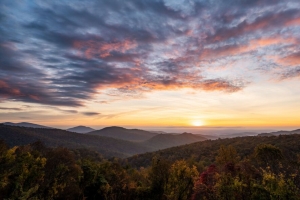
[[150, 63]]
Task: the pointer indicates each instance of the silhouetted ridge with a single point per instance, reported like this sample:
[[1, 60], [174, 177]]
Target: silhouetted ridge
[[124, 134], [25, 124]]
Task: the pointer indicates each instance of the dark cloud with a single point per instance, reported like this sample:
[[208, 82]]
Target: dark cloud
[[91, 113], [62, 110], [25, 117], [14, 109], [63, 54]]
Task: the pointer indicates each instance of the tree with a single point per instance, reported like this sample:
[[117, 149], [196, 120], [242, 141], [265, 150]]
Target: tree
[[21, 173], [181, 180], [62, 176], [268, 155], [227, 155], [204, 186], [159, 176]]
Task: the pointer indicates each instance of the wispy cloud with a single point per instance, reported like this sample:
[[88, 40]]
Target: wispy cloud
[[91, 113], [14, 109]]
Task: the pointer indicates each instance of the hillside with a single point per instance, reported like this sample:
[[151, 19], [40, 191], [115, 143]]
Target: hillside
[[297, 131], [124, 134], [81, 129], [206, 151], [108, 147], [25, 124], [163, 141]]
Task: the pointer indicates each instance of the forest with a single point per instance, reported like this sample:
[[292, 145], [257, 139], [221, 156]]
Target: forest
[[244, 168]]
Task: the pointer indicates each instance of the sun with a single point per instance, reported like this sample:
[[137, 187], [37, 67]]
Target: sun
[[197, 123]]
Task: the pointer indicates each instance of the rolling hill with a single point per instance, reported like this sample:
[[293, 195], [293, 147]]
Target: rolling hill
[[163, 141], [108, 147], [81, 129], [124, 134]]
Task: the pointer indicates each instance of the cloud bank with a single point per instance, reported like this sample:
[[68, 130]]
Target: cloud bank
[[63, 54]]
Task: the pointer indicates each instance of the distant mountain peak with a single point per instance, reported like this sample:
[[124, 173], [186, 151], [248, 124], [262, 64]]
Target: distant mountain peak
[[81, 129], [124, 133], [186, 133]]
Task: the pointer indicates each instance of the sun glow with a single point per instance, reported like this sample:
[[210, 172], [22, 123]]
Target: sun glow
[[197, 123]]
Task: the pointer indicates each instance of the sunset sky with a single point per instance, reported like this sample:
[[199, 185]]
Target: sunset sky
[[150, 63]]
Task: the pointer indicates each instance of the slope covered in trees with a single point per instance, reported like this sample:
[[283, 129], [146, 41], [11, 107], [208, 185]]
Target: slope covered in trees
[[205, 151], [264, 173]]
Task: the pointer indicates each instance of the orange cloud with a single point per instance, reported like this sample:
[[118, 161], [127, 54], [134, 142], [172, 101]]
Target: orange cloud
[[263, 42], [293, 59], [293, 22], [92, 48]]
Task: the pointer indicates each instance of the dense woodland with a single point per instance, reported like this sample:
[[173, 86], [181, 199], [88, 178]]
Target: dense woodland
[[239, 168]]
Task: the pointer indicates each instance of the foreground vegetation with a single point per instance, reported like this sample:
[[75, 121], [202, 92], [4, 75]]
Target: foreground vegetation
[[267, 172]]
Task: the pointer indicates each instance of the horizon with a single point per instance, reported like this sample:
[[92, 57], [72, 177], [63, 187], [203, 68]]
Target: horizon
[[202, 130], [164, 65]]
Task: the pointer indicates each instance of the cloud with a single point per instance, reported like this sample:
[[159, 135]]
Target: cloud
[[266, 22], [91, 113], [222, 85], [64, 54], [14, 109], [292, 59], [61, 110], [291, 73]]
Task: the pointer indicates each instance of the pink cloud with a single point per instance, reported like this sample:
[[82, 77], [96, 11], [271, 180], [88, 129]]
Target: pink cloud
[[92, 48]]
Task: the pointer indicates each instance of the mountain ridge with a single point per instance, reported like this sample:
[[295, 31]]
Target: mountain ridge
[[80, 129], [117, 132], [26, 124]]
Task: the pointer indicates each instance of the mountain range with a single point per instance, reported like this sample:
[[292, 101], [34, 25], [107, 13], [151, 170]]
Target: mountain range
[[110, 141], [107, 146]]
